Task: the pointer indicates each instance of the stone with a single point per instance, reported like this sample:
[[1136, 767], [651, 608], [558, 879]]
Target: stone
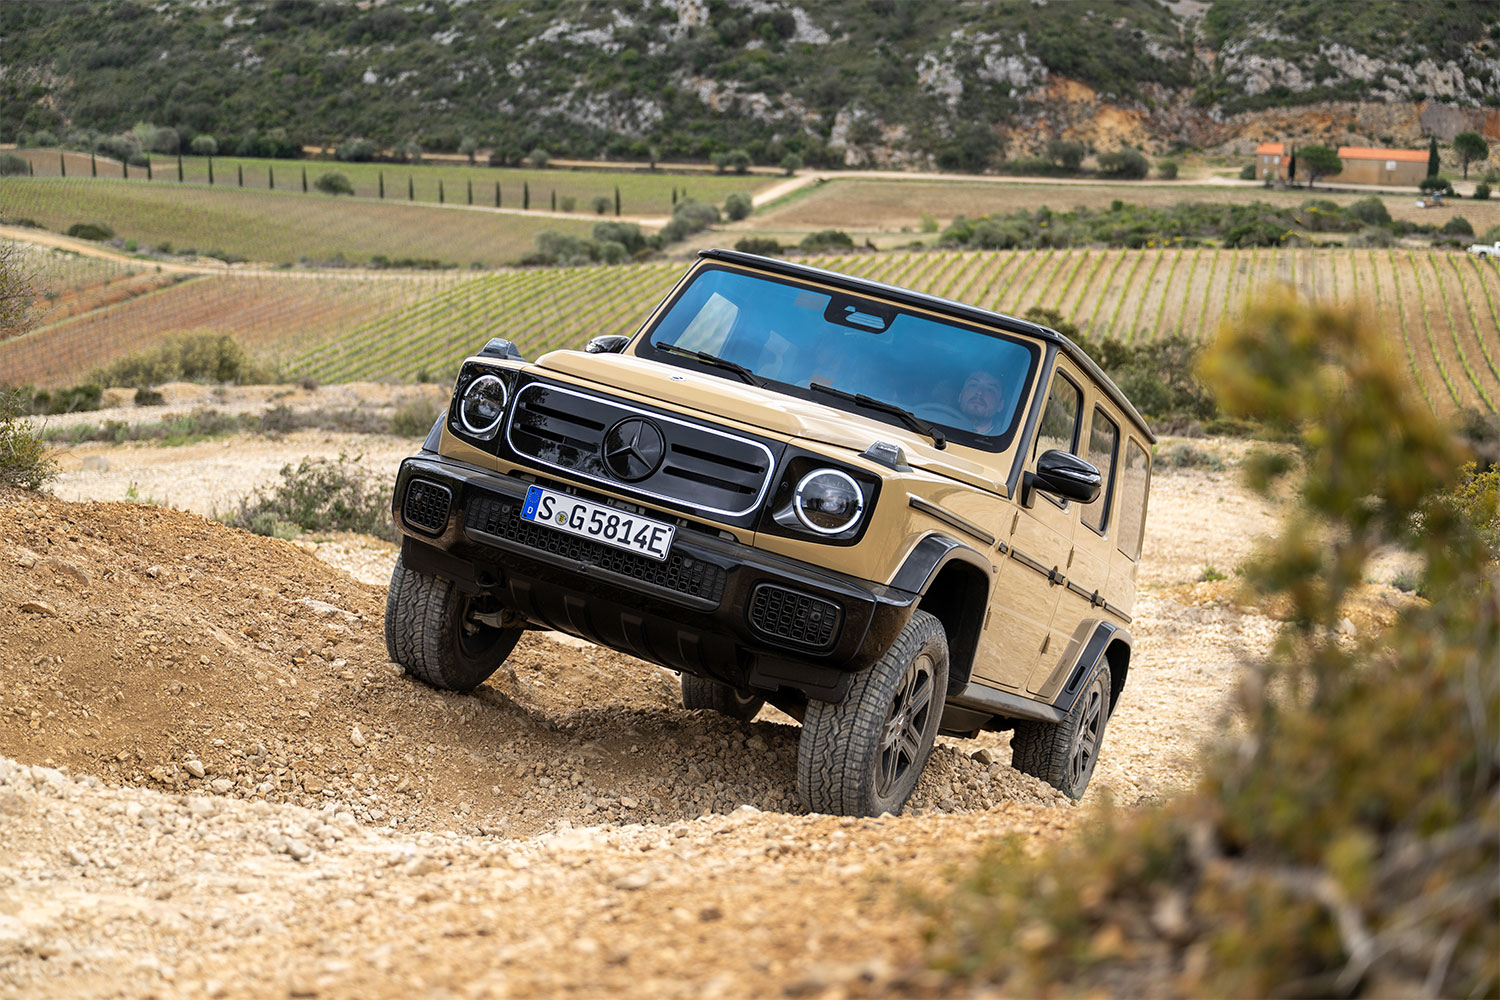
[[357, 738], [983, 756], [221, 785], [634, 880], [298, 849], [195, 768], [39, 608]]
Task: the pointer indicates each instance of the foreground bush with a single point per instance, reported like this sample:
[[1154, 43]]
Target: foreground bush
[[1345, 839]]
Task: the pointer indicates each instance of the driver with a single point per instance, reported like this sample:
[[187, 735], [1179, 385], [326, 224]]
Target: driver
[[980, 399]]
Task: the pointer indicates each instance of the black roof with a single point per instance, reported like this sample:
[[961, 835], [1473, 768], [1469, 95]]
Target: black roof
[[957, 310]]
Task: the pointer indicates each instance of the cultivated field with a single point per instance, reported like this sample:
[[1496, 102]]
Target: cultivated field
[[1442, 310], [271, 315], [642, 192], [884, 205], [281, 227]]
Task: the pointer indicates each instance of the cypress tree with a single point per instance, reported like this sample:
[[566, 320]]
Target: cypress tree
[[304, 180], [179, 168], [93, 167], [148, 168], [30, 169], [440, 192], [497, 194], [270, 177], [382, 185], [471, 192], [211, 172], [125, 169], [62, 164], [674, 195], [240, 169], [1433, 163], [525, 196], [411, 191], [554, 200], [617, 199]]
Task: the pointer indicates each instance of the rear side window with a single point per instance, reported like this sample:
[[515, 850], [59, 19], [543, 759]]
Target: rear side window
[[1104, 444], [1133, 490]]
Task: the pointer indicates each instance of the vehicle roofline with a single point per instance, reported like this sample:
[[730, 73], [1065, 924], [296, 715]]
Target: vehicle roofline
[[957, 310]]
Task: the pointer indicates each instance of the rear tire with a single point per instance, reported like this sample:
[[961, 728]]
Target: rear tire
[[1063, 754], [430, 631], [703, 693], [863, 755]]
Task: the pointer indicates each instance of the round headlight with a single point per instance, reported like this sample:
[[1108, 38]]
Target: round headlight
[[482, 406], [828, 501]]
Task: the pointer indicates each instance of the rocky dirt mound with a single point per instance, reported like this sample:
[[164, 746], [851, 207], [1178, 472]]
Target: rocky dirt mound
[[153, 647]]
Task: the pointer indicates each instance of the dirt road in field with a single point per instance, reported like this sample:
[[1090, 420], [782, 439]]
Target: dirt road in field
[[213, 783]]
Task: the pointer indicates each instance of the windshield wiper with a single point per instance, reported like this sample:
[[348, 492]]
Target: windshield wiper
[[910, 419], [711, 359]]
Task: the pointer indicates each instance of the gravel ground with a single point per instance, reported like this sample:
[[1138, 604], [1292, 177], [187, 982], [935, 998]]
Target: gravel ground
[[212, 783]]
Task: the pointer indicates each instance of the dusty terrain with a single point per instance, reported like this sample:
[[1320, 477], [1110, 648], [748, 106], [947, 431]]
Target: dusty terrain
[[213, 783]]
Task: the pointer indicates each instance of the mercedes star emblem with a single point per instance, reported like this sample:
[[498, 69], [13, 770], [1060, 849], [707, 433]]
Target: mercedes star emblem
[[633, 449]]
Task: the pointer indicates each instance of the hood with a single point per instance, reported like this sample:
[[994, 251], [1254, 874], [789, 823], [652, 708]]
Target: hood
[[728, 400]]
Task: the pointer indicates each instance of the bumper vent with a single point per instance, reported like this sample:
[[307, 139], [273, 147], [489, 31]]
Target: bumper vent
[[681, 573], [426, 507], [800, 618]]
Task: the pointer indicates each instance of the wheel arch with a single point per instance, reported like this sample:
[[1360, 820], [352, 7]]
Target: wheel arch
[[953, 581], [1117, 655]]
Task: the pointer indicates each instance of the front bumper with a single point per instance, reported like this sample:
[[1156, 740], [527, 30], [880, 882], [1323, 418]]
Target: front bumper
[[716, 607]]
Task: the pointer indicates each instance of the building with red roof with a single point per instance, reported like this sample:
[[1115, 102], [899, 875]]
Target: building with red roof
[[1397, 167]]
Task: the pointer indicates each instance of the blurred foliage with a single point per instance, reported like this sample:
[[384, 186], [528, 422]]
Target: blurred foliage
[[1344, 838]]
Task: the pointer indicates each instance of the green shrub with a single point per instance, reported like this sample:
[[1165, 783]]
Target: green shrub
[[763, 245], [1247, 172], [1066, 153], [334, 183], [192, 357], [688, 217], [1342, 839], [567, 203], [1371, 211], [791, 163], [1124, 164], [825, 241], [736, 159], [24, 460], [1167, 170], [1458, 226], [204, 145], [1182, 455], [72, 399], [737, 206], [1481, 191], [414, 418], [1372, 236], [96, 231], [1211, 574], [12, 165], [355, 151], [149, 397], [1439, 185], [600, 203], [320, 495]]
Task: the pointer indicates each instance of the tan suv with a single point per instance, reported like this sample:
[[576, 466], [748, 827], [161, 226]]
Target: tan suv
[[888, 514]]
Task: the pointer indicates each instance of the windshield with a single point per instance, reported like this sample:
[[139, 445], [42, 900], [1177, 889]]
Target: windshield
[[964, 379]]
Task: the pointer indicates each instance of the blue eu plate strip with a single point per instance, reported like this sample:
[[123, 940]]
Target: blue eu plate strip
[[528, 509]]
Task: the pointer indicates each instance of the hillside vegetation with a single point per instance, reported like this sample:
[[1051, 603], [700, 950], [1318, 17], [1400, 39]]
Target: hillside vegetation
[[828, 83]]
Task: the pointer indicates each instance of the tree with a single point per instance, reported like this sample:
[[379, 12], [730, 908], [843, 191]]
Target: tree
[[1470, 146], [1320, 161], [468, 147], [617, 199], [1066, 153], [737, 206], [525, 196], [1433, 163], [1124, 164], [791, 163], [204, 145], [16, 292], [539, 158]]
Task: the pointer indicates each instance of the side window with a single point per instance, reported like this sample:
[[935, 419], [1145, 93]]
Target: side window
[[1104, 444], [1133, 499], [1059, 428]]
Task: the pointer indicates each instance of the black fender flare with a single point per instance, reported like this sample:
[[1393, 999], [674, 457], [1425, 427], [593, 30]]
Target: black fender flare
[[1105, 634], [930, 555]]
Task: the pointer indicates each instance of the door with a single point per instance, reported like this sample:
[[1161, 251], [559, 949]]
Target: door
[[1039, 539]]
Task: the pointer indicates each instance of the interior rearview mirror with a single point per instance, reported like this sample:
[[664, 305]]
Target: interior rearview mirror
[[1065, 476]]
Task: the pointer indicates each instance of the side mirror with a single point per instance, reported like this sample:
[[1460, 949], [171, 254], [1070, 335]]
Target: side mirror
[[499, 347], [1063, 475], [609, 343]]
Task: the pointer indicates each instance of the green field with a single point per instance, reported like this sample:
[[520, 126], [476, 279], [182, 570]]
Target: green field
[[642, 192], [279, 227]]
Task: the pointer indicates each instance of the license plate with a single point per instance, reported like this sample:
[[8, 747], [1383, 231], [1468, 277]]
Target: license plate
[[630, 532]]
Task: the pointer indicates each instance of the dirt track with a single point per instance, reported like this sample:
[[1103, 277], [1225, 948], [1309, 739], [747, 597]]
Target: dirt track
[[256, 803]]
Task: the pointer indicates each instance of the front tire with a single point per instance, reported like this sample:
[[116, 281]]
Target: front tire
[[431, 631], [863, 755], [1063, 754], [701, 692]]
